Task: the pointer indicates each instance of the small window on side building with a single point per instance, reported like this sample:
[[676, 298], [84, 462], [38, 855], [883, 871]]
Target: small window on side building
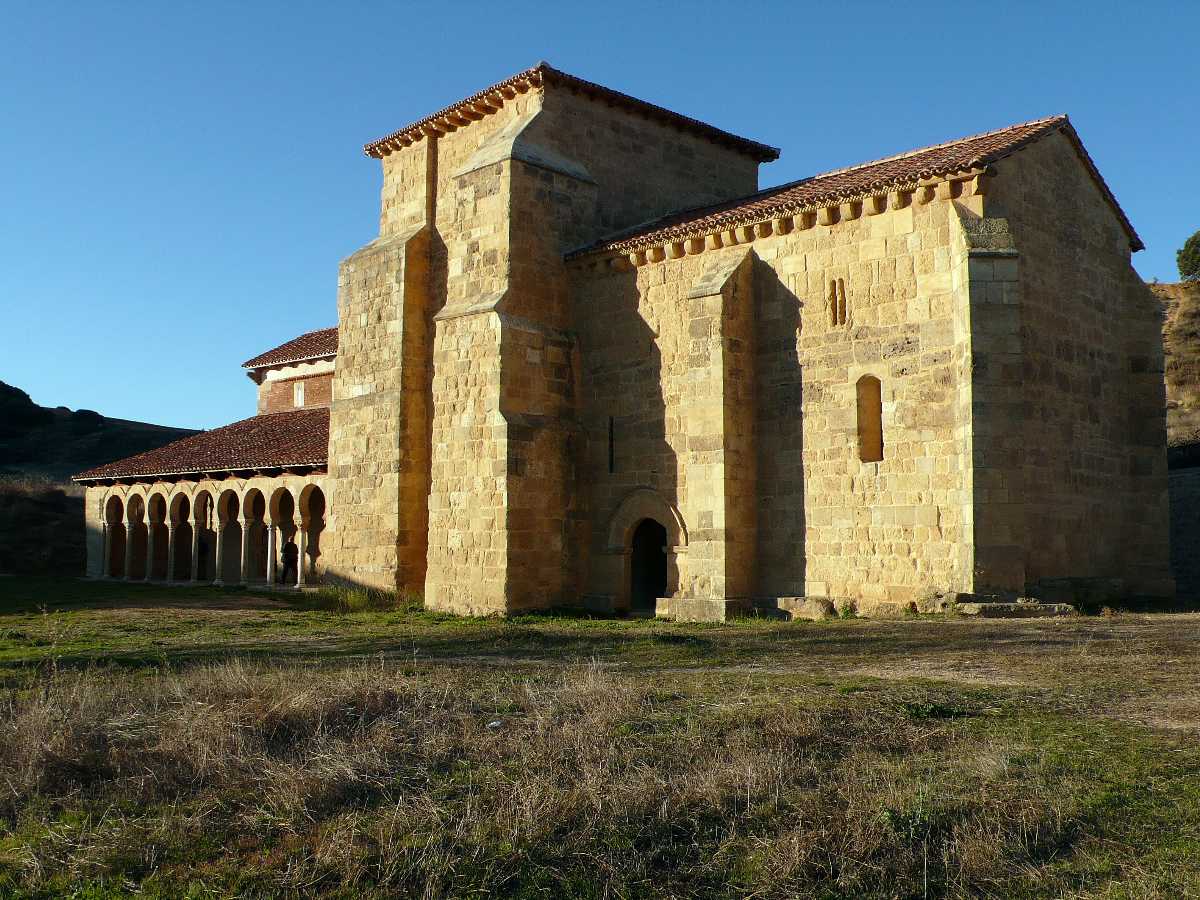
[[298, 394], [837, 302], [870, 419]]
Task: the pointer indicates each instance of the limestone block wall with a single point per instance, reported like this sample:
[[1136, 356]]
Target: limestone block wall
[[1092, 467], [468, 538], [986, 277], [379, 418], [717, 418], [643, 168], [828, 523]]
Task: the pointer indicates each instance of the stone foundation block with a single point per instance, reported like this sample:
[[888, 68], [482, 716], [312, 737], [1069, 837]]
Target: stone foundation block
[[811, 608], [693, 609], [1018, 610]]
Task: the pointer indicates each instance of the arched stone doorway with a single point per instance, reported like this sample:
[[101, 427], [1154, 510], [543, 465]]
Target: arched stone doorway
[[647, 566], [662, 544]]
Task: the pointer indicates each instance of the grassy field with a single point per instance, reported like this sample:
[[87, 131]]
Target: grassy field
[[196, 742]]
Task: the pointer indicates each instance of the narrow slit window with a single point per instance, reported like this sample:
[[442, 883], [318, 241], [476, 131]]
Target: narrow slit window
[[837, 302], [298, 394], [612, 454], [870, 419]]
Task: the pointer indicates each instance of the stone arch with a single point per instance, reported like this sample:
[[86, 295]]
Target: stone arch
[[312, 517], [638, 507], [646, 503], [254, 514], [114, 527], [204, 521], [229, 537], [179, 512], [156, 532], [136, 535], [282, 507]]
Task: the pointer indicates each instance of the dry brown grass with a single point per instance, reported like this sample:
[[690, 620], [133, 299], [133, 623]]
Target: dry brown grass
[[164, 741], [376, 778]]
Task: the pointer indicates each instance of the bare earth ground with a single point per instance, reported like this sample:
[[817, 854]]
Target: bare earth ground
[[166, 741]]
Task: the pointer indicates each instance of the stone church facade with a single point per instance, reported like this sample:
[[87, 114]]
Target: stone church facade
[[588, 362]]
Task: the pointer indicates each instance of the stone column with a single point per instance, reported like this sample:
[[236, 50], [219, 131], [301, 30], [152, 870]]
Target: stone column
[[105, 571], [272, 552], [129, 526], [170, 552], [149, 548], [302, 545], [245, 526], [220, 564], [717, 415], [195, 573]]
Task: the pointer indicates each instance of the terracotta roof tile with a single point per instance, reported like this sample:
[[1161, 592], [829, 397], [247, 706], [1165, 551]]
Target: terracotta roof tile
[[308, 346], [297, 438], [865, 179], [545, 72]]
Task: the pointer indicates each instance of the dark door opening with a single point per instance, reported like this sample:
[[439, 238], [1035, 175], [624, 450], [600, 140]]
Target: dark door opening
[[647, 566]]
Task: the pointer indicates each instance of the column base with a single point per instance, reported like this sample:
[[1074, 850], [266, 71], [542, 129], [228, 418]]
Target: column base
[[694, 609]]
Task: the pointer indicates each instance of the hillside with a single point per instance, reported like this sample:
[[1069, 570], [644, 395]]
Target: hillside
[[41, 512], [1181, 345], [54, 444]]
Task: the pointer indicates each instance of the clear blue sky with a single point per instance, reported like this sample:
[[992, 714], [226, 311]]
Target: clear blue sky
[[181, 179]]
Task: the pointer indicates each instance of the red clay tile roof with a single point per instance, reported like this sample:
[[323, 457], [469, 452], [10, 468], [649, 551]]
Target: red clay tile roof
[[545, 72], [313, 345], [296, 438], [906, 169]]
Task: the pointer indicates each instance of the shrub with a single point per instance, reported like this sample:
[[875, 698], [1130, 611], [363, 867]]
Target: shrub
[[1188, 259]]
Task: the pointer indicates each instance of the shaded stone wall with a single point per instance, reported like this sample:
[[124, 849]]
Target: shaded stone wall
[[1092, 466], [378, 426], [827, 523], [642, 169]]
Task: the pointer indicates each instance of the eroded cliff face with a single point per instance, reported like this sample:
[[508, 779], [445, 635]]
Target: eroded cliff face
[[1181, 346]]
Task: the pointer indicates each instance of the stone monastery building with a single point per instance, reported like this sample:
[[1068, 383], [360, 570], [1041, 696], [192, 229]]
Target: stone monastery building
[[589, 362]]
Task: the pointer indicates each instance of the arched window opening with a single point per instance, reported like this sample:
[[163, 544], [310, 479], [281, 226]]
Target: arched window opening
[[870, 419]]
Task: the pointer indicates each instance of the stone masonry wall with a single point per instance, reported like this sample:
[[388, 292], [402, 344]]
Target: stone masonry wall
[[514, 192], [643, 169], [828, 523], [1092, 470], [378, 428]]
